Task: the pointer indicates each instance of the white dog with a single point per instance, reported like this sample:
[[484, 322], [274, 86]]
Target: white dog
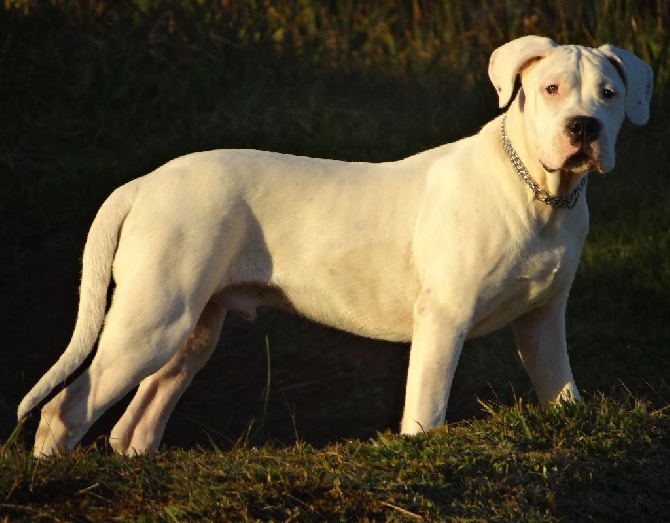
[[448, 244]]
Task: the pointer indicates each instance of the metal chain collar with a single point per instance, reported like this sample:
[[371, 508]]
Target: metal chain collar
[[542, 195]]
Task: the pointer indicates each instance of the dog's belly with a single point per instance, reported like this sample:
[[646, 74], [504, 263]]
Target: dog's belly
[[368, 308], [374, 304], [388, 320]]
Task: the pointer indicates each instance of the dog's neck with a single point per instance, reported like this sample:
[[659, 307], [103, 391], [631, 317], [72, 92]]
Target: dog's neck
[[559, 189]]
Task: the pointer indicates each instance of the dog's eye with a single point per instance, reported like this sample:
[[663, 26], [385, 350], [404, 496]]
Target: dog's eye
[[551, 89], [608, 94]]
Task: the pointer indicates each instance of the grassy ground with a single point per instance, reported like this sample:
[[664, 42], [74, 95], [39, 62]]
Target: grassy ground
[[595, 461], [93, 94]]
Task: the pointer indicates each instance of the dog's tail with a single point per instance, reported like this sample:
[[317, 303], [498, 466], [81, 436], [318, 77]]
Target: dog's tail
[[95, 279]]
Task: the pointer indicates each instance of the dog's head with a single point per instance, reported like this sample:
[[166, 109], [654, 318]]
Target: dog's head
[[573, 98]]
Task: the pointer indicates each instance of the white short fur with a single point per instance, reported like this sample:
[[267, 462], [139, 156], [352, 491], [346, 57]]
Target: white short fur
[[438, 247]]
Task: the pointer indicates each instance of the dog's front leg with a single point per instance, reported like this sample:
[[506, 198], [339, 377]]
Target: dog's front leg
[[541, 342], [437, 341]]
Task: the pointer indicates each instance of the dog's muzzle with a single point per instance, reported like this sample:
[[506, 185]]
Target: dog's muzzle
[[582, 132]]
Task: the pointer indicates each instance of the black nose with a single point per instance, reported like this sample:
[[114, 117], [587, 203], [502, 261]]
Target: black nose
[[582, 129]]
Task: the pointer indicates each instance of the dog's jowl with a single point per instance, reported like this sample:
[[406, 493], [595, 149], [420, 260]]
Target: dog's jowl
[[451, 243]]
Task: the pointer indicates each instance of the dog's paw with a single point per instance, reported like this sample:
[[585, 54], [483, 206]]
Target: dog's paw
[[568, 393]]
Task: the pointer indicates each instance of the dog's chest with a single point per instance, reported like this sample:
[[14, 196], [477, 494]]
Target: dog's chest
[[537, 272]]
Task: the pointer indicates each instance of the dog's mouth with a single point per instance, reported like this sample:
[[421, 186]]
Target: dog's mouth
[[578, 162]]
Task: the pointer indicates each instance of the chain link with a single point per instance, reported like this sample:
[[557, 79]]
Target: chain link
[[568, 201]]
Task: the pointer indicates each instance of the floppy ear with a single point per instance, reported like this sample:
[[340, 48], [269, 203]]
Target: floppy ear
[[639, 79], [507, 60]]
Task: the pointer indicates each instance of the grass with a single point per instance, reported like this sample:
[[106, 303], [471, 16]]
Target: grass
[[520, 464], [95, 93]]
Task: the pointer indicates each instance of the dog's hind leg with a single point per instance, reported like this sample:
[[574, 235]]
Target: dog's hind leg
[[144, 329], [141, 427]]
